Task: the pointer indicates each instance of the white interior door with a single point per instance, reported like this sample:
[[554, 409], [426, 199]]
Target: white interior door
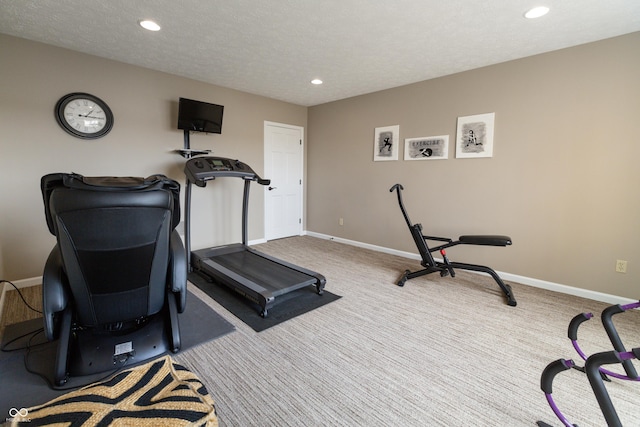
[[283, 165]]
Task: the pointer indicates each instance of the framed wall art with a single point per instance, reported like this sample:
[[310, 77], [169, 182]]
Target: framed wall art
[[385, 144], [475, 136], [427, 148]]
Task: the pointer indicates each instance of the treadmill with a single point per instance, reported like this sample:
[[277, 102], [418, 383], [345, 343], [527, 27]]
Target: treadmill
[[256, 276]]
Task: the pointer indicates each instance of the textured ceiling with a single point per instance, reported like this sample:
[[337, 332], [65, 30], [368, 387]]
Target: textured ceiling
[[275, 47]]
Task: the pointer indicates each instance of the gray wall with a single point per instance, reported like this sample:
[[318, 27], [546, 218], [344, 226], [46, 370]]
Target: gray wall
[[563, 180], [144, 103]]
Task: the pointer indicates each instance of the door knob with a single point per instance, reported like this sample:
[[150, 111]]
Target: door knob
[[272, 188]]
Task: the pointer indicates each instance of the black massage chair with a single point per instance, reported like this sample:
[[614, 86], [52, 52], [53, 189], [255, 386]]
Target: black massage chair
[[117, 278]]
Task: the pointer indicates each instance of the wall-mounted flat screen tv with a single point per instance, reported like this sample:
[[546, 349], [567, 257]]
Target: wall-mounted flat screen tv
[[199, 116]]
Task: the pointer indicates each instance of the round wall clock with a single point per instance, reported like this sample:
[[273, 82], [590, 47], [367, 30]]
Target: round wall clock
[[84, 115]]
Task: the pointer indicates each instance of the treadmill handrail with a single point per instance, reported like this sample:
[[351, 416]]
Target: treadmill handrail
[[199, 170]]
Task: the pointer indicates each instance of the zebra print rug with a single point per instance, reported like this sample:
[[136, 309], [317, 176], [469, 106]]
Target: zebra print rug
[[158, 393]]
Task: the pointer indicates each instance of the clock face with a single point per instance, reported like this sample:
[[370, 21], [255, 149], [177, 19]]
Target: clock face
[[84, 116]]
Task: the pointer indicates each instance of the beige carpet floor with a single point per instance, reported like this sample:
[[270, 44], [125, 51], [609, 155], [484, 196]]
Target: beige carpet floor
[[436, 352]]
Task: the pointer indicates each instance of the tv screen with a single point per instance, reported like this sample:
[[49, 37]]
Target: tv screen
[[199, 116]]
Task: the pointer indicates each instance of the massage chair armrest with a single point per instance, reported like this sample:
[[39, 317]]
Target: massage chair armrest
[[178, 271], [55, 293]]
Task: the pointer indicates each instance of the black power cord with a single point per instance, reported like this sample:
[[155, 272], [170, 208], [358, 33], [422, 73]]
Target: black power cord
[[21, 296], [30, 345], [5, 347], [107, 375]]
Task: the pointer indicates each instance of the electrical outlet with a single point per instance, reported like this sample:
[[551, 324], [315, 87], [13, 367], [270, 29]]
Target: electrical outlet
[[341, 221], [621, 266]]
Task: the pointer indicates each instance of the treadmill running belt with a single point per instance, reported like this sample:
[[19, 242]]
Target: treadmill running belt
[[272, 276]]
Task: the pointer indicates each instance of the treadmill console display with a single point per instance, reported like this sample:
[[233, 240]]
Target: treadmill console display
[[199, 170], [219, 164]]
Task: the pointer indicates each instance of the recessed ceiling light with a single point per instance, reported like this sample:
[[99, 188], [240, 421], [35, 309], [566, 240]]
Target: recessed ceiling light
[[536, 12], [316, 81], [149, 25]]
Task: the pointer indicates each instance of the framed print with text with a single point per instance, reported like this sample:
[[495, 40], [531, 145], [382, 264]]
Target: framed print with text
[[427, 148]]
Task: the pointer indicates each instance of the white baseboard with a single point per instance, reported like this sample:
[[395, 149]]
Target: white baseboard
[[25, 283], [257, 242], [529, 281]]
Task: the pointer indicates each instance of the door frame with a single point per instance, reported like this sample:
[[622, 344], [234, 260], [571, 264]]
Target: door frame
[[302, 172]]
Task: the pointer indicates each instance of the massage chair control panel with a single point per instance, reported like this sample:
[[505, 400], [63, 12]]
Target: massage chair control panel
[[199, 170]]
